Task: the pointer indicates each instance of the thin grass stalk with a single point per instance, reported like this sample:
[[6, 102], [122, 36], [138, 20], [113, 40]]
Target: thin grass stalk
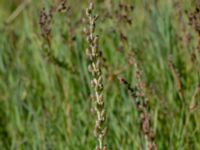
[[95, 68]]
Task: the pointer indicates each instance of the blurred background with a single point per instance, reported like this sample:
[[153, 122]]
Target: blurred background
[[45, 98]]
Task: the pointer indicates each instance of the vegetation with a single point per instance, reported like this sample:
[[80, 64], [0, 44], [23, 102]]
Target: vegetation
[[144, 66]]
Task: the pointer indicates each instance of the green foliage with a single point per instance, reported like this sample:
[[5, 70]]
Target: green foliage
[[45, 106]]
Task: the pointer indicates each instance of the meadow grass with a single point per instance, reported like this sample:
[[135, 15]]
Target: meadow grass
[[46, 106]]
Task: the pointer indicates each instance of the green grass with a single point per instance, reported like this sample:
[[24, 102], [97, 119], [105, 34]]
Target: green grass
[[43, 106]]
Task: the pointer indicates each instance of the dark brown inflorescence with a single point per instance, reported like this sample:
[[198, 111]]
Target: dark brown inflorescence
[[194, 21], [45, 23], [46, 18], [139, 97]]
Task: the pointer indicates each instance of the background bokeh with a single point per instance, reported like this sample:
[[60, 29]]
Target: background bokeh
[[44, 106]]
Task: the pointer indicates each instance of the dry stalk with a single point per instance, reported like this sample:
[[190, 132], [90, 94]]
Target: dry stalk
[[95, 68], [17, 11], [193, 104], [176, 77]]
